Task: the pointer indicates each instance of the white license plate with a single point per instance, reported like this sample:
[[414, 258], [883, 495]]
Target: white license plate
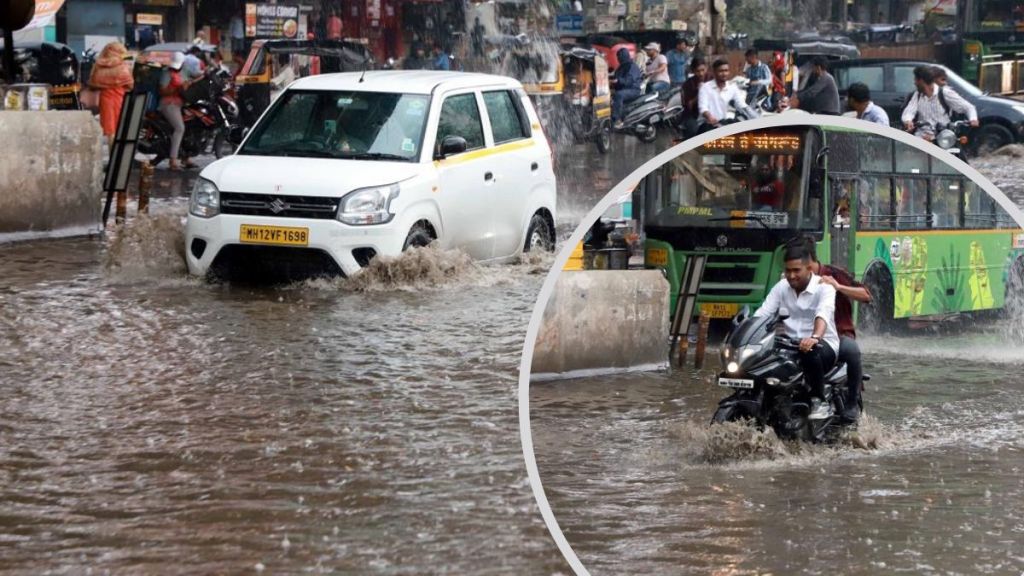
[[736, 382]]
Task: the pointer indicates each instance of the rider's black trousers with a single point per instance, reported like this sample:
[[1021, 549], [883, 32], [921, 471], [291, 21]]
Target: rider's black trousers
[[815, 364]]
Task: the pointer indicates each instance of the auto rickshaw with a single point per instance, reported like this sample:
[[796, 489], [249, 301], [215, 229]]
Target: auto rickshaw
[[49, 63], [586, 97], [273, 64]]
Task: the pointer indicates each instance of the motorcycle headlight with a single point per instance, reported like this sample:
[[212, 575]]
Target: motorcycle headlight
[[368, 205], [205, 201], [748, 351], [732, 367], [946, 139]]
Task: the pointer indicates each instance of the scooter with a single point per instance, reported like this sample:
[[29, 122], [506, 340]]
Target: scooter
[[643, 114], [762, 368]]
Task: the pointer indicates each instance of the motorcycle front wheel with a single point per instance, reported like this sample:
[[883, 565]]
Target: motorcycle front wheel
[[650, 135]]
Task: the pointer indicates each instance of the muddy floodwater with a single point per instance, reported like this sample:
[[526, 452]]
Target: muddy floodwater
[[931, 483], [154, 423]]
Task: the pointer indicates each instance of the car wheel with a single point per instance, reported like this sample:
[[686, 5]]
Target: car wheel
[[539, 236], [419, 236], [991, 137]]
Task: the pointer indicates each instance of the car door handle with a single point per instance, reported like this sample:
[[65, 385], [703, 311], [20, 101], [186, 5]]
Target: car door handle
[[534, 167], [488, 176]]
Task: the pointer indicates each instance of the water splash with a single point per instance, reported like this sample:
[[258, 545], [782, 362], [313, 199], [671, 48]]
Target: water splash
[[741, 444], [147, 247]]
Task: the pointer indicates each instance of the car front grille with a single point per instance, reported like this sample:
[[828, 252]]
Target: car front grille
[[280, 206]]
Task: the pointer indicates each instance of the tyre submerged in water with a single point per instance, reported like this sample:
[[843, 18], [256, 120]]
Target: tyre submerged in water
[[346, 167]]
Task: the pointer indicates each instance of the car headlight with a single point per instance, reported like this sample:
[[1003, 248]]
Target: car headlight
[[946, 139], [368, 205], [205, 201]]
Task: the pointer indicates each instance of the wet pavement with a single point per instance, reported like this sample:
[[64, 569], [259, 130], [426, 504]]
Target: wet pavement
[[155, 423]]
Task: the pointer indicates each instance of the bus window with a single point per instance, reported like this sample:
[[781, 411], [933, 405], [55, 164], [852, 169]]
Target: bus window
[[875, 203], [979, 208], [946, 203], [911, 203], [1003, 218], [910, 160], [941, 167], [876, 154]]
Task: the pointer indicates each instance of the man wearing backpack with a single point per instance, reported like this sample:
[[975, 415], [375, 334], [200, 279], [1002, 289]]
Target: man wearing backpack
[[932, 104]]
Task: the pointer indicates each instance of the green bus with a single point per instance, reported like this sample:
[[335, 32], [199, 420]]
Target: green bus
[[992, 39], [926, 240]]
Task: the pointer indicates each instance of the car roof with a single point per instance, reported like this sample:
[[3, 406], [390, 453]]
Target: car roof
[[860, 61], [402, 81]]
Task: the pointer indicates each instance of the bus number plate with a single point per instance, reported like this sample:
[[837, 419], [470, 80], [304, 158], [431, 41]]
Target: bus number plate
[[657, 257], [719, 309]]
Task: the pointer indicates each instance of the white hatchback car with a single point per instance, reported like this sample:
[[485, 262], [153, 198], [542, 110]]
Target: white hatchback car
[[345, 167]]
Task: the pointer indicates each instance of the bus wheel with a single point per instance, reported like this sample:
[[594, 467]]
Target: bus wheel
[[876, 316]]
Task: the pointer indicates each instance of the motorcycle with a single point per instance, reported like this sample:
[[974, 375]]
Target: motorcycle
[[642, 114], [951, 137], [209, 114], [762, 367]]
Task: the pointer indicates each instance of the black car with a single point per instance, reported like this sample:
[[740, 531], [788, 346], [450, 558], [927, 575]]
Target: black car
[[891, 81]]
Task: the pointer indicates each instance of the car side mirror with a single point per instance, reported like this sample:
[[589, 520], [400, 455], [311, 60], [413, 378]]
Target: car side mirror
[[237, 134], [452, 145]]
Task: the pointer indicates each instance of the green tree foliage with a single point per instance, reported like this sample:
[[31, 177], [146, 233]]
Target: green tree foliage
[[757, 18]]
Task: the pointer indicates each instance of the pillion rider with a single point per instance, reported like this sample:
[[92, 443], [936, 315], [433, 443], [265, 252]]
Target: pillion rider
[[847, 289], [810, 305]]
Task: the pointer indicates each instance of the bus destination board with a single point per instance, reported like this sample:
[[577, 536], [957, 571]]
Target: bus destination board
[[754, 143]]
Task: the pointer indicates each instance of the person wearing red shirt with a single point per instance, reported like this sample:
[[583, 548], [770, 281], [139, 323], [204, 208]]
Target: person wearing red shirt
[[769, 190], [847, 289]]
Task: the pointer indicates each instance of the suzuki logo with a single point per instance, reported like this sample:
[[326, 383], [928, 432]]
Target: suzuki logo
[[723, 240], [277, 206]]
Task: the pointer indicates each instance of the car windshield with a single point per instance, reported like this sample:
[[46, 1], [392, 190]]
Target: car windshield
[[962, 86], [342, 124], [754, 180]]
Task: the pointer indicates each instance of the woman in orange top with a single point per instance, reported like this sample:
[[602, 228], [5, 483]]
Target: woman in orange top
[[112, 76]]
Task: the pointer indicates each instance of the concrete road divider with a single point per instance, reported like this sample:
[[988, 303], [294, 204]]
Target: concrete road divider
[[603, 321], [51, 174]]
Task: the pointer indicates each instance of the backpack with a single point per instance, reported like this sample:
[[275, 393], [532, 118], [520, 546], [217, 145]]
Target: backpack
[[942, 101]]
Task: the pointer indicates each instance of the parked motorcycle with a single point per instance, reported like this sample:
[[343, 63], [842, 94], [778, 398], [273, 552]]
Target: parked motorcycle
[[762, 367], [209, 114]]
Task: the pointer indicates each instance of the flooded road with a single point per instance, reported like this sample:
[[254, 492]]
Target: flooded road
[[153, 423], [930, 484]]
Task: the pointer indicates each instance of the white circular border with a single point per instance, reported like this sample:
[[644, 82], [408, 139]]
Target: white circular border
[[624, 186]]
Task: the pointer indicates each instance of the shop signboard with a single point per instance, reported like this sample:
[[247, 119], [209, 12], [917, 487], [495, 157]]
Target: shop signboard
[[271, 20], [569, 22]]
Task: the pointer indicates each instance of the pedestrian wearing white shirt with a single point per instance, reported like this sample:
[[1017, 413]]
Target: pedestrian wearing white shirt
[[810, 305], [932, 104], [716, 95]]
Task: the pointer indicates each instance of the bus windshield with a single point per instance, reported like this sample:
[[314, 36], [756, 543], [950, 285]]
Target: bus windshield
[[754, 180]]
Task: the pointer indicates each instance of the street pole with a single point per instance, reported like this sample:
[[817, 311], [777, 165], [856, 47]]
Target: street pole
[[9, 55]]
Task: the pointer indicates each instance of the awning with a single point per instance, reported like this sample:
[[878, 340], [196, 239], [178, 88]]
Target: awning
[[46, 14]]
